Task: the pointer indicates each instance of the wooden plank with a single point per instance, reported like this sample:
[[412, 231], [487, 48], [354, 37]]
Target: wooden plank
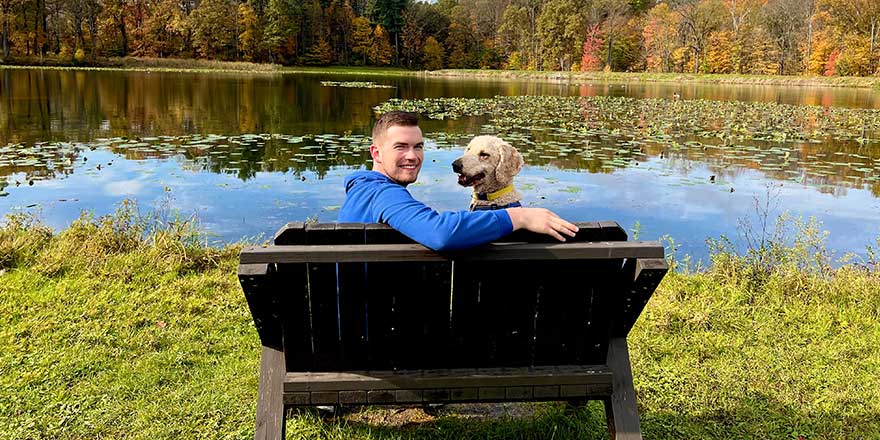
[[381, 290], [611, 231], [471, 336], [587, 231], [415, 380], [421, 314], [571, 319], [292, 291], [258, 284], [323, 302], [645, 275], [270, 403], [493, 313], [352, 301], [622, 409], [419, 253]]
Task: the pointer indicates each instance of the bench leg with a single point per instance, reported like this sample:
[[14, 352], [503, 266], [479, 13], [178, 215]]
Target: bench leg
[[270, 404], [621, 409]]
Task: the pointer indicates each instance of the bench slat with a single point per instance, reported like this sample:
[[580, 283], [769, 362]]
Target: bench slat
[[291, 302], [382, 290], [419, 253], [568, 328], [458, 378], [323, 300], [352, 301]]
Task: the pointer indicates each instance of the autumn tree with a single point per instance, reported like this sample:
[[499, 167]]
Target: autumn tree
[[164, 29], [214, 29], [361, 38], [784, 21], [590, 60], [514, 35], [389, 14], [561, 28], [660, 36], [697, 20], [283, 19], [413, 40], [251, 33], [613, 15], [461, 42], [433, 54], [340, 16], [381, 52]]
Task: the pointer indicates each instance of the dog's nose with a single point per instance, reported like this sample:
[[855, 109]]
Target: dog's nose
[[456, 166]]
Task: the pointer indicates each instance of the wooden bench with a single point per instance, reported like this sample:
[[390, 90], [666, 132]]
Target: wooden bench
[[358, 314]]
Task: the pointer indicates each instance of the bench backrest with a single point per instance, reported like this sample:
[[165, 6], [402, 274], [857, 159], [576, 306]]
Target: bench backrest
[[445, 312]]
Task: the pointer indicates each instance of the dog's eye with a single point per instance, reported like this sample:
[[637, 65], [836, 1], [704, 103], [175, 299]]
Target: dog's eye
[[484, 154]]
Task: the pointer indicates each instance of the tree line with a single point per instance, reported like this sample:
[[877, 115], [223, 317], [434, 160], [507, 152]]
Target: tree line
[[819, 37]]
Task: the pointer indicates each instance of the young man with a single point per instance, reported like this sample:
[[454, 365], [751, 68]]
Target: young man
[[380, 196]]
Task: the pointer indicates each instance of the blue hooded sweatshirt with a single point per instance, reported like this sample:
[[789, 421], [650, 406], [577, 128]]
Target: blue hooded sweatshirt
[[372, 197]]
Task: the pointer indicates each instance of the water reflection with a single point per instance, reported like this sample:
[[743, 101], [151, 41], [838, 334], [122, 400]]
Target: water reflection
[[250, 152]]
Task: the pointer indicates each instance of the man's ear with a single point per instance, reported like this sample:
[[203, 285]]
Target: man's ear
[[374, 153]]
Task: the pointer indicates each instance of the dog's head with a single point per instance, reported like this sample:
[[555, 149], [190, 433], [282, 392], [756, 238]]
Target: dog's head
[[488, 164]]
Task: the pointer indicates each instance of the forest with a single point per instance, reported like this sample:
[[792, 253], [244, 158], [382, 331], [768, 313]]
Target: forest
[[778, 37]]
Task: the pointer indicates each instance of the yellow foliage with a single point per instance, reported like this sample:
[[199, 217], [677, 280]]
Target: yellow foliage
[[433, 54], [824, 43], [855, 58], [381, 50], [719, 56]]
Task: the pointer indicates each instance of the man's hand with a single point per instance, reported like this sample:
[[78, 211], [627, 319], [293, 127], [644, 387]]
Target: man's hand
[[542, 221]]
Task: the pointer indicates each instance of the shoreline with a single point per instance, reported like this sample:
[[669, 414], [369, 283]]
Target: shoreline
[[238, 67]]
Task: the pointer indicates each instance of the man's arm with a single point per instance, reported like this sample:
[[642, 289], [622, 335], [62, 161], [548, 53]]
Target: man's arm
[[462, 229], [439, 231]]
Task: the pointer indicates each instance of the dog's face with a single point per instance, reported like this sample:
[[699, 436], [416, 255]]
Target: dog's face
[[488, 164]]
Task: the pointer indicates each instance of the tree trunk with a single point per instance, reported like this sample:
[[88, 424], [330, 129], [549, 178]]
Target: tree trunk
[[5, 35], [121, 24], [873, 59]]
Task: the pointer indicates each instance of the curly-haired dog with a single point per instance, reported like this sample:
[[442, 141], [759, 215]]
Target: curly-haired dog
[[489, 164]]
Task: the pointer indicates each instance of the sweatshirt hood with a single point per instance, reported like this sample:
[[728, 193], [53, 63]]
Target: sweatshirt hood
[[364, 176]]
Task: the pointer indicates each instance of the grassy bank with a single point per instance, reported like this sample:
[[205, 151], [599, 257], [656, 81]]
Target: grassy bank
[[678, 78], [128, 327], [176, 65]]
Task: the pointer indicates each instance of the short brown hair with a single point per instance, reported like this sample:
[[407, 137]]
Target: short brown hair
[[392, 118]]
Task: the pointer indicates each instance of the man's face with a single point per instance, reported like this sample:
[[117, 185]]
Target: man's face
[[399, 153]]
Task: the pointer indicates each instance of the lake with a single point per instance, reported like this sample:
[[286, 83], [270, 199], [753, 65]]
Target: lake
[[246, 153]]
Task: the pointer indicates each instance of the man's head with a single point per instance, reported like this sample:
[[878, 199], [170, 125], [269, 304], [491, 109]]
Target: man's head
[[398, 147]]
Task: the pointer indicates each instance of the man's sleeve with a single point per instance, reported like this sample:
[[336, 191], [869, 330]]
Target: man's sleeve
[[439, 231]]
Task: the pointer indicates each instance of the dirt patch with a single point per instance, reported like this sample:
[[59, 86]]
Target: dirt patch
[[407, 416]]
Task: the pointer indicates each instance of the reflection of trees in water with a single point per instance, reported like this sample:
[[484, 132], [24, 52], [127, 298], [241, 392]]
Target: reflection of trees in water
[[40, 105], [81, 106]]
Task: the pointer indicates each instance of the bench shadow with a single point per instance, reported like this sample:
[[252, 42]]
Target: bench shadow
[[758, 416]]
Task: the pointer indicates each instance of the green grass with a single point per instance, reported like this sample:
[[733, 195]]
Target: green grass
[[129, 327]]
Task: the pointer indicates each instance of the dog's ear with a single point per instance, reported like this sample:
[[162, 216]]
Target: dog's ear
[[509, 163]]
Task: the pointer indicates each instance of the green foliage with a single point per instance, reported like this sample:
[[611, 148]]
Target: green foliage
[[561, 28], [319, 54], [213, 24]]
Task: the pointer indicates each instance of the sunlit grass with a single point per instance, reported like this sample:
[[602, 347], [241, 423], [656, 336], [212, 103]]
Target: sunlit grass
[[128, 326]]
